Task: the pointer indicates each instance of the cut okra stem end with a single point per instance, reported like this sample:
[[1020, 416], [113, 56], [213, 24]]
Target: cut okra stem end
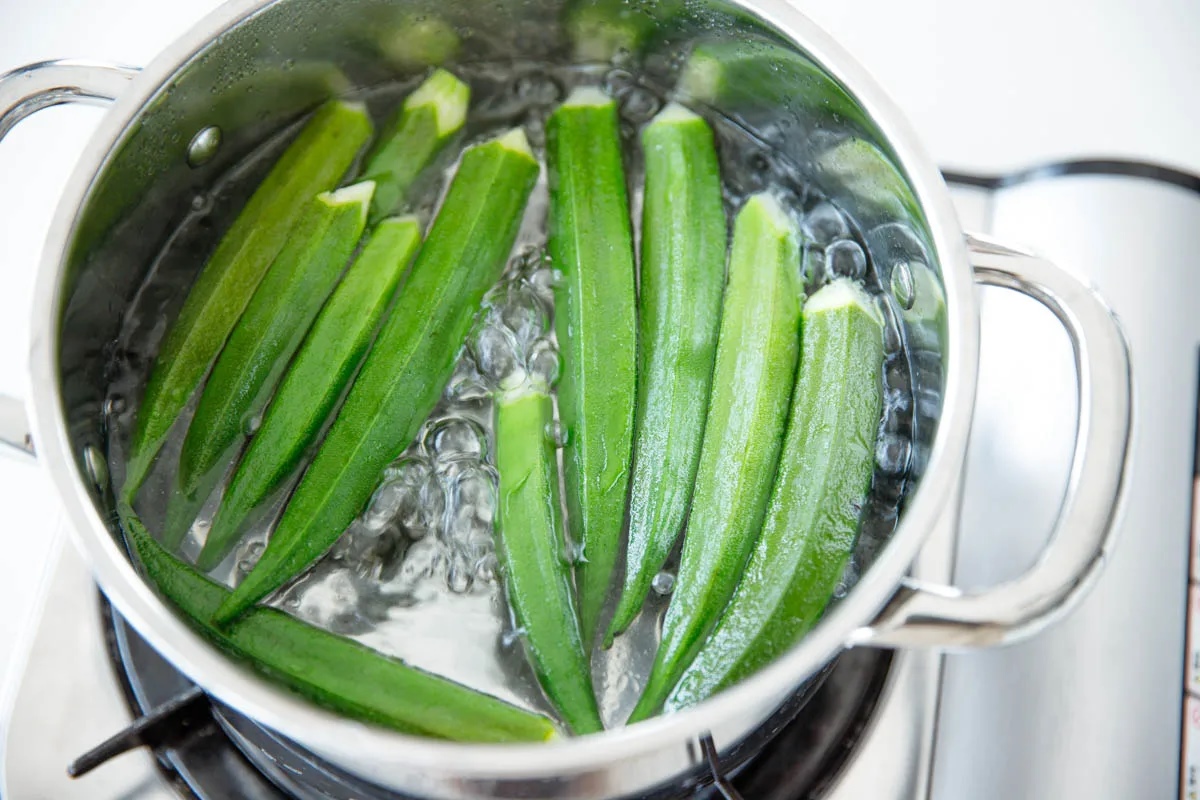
[[359, 194], [842, 293], [516, 141], [675, 113], [585, 97], [703, 76], [447, 96]]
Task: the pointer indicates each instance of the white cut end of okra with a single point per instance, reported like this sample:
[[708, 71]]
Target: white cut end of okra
[[398, 222], [841, 293], [355, 194], [447, 96], [357, 106], [515, 140], [702, 76], [675, 113], [586, 96], [769, 208]]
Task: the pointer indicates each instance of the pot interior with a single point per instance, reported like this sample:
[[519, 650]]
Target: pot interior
[[247, 87]]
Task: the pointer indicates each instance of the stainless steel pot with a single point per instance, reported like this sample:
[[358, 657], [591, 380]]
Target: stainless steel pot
[[254, 64]]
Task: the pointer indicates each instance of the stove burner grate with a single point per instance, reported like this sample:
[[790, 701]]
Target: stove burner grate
[[208, 751]]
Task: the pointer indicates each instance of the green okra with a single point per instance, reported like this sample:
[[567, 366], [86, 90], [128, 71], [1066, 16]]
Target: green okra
[[757, 351], [429, 117], [330, 670], [530, 545], [679, 312], [275, 322], [313, 163], [413, 357], [315, 381], [591, 243], [754, 74], [816, 504]]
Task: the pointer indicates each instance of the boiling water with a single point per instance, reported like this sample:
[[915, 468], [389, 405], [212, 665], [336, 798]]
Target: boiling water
[[416, 576]]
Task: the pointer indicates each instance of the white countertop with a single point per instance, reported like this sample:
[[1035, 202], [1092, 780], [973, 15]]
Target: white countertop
[[988, 87]]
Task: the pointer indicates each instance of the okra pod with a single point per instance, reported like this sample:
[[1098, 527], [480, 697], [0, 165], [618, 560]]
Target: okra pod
[[757, 351], [313, 163], [330, 670], [320, 373], [429, 117], [407, 368], [274, 324], [816, 503], [530, 545], [753, 74], [591, 243], [679, 313]]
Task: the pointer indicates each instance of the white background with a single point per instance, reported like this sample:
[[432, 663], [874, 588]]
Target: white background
[[987, 86]]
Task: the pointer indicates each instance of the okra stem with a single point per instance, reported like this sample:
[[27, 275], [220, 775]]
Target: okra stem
[[407, 368], [330, 670], [679, 313], [429, 117], [591, 243], [308, 392], [816, 504], [274, 324], [530, 544], [755, 369], [313, 163]]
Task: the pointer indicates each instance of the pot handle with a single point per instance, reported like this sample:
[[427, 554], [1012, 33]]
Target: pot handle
[[946, 616], [24, 91]]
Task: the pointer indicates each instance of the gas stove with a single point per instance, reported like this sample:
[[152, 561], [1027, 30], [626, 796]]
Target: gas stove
[[1050, 718]]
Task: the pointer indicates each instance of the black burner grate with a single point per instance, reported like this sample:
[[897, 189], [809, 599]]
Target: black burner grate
[[208, 751]]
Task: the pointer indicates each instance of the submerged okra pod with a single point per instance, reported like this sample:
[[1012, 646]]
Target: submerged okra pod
[[816, 505], [428, 118], [288, 299], [591, 243], [757, 350], [331, 670], [679, 312], [313, 163], [308, 392], [530, 545], [407, 368]]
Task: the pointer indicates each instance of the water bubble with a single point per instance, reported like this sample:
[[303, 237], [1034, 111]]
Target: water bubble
[[846, 259], [495, 353], [466, 384], [455, 438], [512, 637], [556, 433], [536, 89], [535, 128], [474, 490], [825, 224], [895, 243], [618, 81], [432, 499], [385, 505], [247, 557], [251, 424], [97, 467], [204, 146], [902, 285], [524, 315], [408, 470], [892, 454], [542, 363], [486, 568], [202, 203], [461, 574], [813, 267], [114, 406], [424, 560], [544, 280], [640, 104], [663, 583]]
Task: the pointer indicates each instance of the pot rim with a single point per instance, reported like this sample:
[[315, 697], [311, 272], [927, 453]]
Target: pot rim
[[278, 708]]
